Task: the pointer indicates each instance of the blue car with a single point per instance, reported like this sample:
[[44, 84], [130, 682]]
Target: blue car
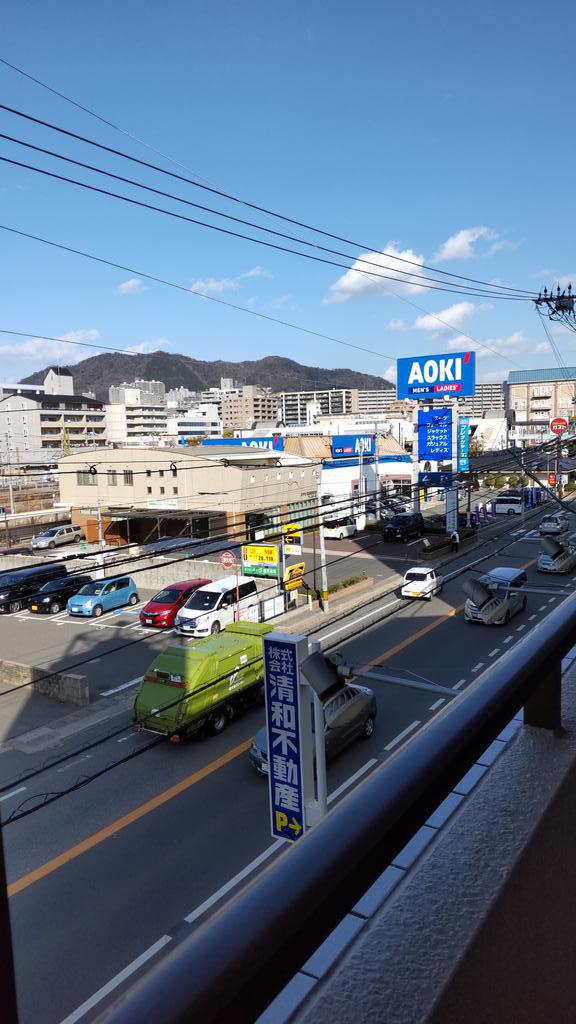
[[102, 596]]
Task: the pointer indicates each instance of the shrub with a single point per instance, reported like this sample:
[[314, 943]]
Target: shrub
[[499, 480], [512, 481], [489, 480]]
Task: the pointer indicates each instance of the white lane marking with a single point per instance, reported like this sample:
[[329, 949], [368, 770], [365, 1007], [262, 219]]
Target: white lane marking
[[398, 739], [531, 617], [71, 764], [437, 703], [12, 792], [117, 980], [542, 607], [550, 599], [494, 652], [195, 914], [326, 636], [232, 882], [478, 666], [520, 628], [459, 684], [124, 686], [508, 639], [132, 736], [353, 778]]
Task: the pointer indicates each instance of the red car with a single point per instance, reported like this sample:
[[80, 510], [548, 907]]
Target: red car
[[162, 609]]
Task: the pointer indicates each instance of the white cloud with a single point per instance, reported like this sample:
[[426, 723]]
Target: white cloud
[[131, 287], [445, 319], [491, 377], [390, 373], [217, 285], [460, 246], [358, 282], [542, 347], [41, 351], [493, 346], [396, 325], [145, 347]]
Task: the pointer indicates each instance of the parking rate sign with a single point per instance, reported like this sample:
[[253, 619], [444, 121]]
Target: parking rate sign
[[283, 731]]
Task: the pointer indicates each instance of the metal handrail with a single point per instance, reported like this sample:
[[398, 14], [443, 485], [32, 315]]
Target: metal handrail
[[232, 966]]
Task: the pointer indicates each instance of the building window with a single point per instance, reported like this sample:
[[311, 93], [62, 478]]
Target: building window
[[161, 472], [162, 489], [148, 472], [86, 479], [112, 478], [128, 478], [174, 490], [174, 472], [149, 489]]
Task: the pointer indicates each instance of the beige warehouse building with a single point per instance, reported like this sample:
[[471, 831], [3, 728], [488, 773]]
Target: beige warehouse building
[[145, 493]]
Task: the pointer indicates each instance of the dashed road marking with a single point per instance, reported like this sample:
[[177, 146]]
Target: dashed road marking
[[531, 617], [437, 703], [551, 599], [520, 628], [123, 686], [401, 735], [478, 666], [508, 639], [13, 792], [459, 684], [494, 652], [542, 607]]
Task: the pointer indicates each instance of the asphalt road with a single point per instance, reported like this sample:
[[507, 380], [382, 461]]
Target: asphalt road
[[106, 876]]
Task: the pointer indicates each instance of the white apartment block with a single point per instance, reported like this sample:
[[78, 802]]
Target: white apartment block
[[293, 406]]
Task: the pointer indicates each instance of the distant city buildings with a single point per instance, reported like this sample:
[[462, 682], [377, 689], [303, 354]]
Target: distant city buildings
[[534, 397]]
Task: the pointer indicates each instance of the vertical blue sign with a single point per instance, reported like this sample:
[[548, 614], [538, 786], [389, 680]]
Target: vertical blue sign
[[435, 434], [463, 431], [283, 732]]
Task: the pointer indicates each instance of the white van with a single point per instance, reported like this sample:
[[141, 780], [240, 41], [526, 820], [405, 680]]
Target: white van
[[509, 505], [214, 606]]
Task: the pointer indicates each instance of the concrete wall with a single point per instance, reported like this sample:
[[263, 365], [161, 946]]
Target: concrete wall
[[65, 687], [482, 929]]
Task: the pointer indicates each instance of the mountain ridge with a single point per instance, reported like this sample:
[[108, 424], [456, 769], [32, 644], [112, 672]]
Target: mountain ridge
[[97, 373]]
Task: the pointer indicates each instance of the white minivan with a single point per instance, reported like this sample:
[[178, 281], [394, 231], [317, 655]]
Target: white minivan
[[214, 606]]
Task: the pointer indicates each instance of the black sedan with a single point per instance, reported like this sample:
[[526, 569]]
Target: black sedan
[[52, 597]]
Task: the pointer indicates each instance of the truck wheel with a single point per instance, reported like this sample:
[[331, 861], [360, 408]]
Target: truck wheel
[[215, 628], [97, 611], [54, 608], [368, 730], [218, 721]]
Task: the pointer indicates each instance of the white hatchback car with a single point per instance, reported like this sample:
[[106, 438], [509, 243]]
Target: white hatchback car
[[421, 582], [339, 529]]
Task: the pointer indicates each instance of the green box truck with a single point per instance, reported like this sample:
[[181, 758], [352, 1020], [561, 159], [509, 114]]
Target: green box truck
[[190, 686]]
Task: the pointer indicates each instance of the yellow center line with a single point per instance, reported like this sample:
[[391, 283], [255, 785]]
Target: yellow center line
[[116, 826]]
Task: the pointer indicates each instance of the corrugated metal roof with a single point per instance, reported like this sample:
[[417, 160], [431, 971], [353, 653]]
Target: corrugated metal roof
[[309, 446], [542, 376]]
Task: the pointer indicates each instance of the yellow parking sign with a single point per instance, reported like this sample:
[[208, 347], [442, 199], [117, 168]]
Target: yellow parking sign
[[294, 576]]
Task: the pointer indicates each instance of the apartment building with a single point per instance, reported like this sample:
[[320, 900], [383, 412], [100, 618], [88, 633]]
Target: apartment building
[[247, 407], [143, 392], [125, 423], [488, 398], [534, 397], [39, 422], [300, 408], [199, 421]]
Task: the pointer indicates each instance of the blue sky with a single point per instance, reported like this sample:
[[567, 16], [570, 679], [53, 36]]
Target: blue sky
[[433, 131]]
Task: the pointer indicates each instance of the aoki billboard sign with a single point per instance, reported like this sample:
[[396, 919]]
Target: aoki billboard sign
[[425, 377]]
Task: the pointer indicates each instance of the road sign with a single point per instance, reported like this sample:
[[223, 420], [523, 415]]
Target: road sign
[[434, 376], [285, 781], [435, 479], [558, 425], [260, 560], [292, 539], [294, 576], [463, 456], [227, 559]]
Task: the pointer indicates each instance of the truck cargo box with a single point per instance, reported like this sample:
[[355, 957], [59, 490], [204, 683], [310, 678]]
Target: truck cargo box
[[205, 683]]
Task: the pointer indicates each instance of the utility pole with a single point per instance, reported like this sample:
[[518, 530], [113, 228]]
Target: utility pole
[[100, 537], [323, 573], [415, 460]]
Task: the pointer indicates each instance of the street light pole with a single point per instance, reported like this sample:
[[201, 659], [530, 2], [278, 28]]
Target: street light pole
[[323, 571]]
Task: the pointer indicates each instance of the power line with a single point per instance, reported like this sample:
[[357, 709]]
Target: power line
[[260, 209], [410, 277], [247, 238]]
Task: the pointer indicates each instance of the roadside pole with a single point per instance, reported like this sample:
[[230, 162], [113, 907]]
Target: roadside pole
[[323, 573], [377, 471], [415, 460], [100, 559]]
